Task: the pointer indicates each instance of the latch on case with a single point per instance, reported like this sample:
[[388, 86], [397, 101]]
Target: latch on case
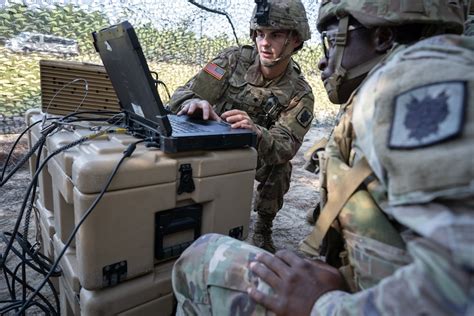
[[186, 183]]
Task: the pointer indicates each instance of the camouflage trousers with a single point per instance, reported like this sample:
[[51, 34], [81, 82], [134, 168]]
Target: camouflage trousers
[[274, 182], [212, 276]]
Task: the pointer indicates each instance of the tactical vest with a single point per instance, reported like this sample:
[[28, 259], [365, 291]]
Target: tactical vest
[[371, 247], [263, 104]]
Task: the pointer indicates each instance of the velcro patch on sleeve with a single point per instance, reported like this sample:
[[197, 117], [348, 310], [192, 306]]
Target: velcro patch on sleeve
[[214, 70], [428, 115], [304, 117]]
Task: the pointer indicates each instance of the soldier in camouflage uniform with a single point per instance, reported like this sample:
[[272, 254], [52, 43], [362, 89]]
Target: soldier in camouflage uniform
[[260, 88], [398, 172]]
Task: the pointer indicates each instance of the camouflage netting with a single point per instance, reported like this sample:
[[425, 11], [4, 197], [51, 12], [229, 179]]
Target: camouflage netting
[[177, 38]]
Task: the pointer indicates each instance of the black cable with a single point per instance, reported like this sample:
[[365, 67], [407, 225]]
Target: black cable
[[19, 303], [33, 195], [67, 119], [33, 181], [22, 210], [22, 161], [42, 297], [78, 114], [127, 153], [31, 185], [23, 283], [13, 148], [26, 224], [200, 6], [10, 290], [42, 267], [37, 257], [158, 81]]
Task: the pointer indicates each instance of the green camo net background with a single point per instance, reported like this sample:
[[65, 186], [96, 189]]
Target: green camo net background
[[177, 37]]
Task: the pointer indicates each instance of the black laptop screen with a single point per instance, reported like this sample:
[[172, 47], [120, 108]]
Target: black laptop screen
[[128, 71]]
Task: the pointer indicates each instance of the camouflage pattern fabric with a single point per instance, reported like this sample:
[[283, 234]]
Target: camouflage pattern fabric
[[445, 15], [434, 276], [432, 272], [282, 108], [285, 15], [426, 116], [211, 278]]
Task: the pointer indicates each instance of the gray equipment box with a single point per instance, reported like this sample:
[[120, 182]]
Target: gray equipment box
[[156, 205]]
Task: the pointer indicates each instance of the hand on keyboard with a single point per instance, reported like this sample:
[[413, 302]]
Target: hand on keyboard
[[240, 119], [200, 109]]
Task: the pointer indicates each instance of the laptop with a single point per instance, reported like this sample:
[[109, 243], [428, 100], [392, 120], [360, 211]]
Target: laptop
[[125, 63]]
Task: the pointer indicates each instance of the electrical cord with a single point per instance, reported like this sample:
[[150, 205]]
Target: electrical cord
[[33, 195], [117, 117], [25, 244], [40, 267], [15, 234], [27, 249], [127, 153], [34, 178], [158, 81], [86, 88], [4, 179]]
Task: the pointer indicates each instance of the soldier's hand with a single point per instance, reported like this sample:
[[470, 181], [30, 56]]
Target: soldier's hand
[[297, 282], [240, 119], [200, 109]]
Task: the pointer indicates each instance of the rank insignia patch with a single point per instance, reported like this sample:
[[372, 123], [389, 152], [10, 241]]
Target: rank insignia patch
[[214, 70], [304, 117], [428, 115]]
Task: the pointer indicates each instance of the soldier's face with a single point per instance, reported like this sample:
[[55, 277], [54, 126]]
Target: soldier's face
[[358, 50], [271, 44]]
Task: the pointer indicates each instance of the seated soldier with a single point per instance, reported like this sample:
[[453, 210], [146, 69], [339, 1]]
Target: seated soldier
[[260, 88], [399, 176]]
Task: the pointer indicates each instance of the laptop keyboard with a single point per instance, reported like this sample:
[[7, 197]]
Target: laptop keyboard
[[180, 126]]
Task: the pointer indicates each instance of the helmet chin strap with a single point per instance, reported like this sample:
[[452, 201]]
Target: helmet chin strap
[[340, 75]]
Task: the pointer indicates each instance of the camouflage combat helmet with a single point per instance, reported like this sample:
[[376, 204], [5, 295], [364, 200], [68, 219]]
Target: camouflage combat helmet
[[282, 15], [446, 14], [439, 16]]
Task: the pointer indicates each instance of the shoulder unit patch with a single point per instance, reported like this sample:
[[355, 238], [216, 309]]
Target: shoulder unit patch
[[304, 117], [428, 115], [214, 70]]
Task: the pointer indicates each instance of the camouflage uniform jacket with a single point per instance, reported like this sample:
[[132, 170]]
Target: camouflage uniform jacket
[[282, 107], [428, 191]]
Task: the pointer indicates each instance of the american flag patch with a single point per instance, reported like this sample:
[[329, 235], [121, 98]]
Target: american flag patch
[[215, 71]]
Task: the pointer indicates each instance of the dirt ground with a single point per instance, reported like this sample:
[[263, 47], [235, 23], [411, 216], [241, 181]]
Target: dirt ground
[[289, 226]]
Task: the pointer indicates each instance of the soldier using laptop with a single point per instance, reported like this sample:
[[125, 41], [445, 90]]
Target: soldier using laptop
[[260, 88]]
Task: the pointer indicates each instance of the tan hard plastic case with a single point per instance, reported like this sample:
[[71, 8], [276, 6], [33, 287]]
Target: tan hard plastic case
[[121, 227]]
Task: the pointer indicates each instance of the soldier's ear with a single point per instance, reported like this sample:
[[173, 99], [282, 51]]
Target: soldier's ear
[[298, 43], [296, 38], [384, 38]]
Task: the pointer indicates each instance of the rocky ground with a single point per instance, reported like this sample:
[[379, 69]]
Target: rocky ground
[[289, 226]]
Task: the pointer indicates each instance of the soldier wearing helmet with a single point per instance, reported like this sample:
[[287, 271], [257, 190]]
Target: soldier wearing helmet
[[438, 20], [260, 88], [397, 171]]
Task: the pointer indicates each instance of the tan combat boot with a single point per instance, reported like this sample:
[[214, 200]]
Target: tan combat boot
[[262, 236]]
